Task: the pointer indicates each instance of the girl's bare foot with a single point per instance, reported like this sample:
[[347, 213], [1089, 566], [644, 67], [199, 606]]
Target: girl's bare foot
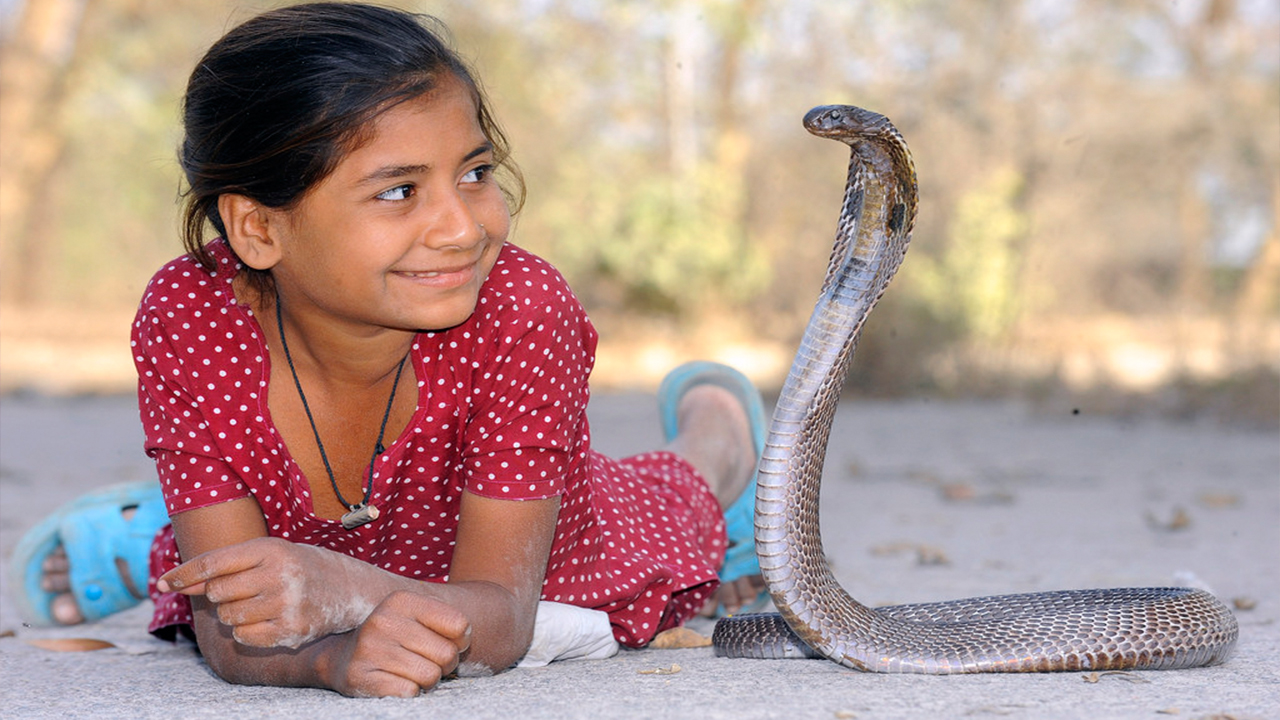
[[715, 437], [734, 595], [57, 579]]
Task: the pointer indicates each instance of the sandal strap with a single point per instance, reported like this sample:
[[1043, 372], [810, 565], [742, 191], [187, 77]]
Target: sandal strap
[[93, 533], [95, 538]]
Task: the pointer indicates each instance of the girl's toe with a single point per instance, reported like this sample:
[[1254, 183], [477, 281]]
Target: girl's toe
[[65, 611]]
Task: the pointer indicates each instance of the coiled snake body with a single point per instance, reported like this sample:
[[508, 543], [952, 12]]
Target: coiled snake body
[[1146, 628]]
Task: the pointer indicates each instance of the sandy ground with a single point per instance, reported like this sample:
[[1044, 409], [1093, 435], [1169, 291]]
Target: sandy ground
[[922, 501]]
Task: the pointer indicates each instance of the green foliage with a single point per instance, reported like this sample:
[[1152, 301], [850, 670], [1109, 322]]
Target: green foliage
[[654, 242], [974, 284], [668, 175]]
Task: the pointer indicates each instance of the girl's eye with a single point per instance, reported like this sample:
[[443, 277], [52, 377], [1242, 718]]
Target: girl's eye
[[399, 192], [478, 175]]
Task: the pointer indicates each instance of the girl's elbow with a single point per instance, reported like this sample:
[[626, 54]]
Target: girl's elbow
[[223, 663], [497, 657]]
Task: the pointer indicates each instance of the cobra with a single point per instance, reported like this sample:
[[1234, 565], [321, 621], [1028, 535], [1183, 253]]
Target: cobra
[[1140, 628]]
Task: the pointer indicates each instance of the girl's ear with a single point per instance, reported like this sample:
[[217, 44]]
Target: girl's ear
[[249, 230]]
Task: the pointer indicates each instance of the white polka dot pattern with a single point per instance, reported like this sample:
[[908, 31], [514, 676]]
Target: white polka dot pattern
[[501, 413]]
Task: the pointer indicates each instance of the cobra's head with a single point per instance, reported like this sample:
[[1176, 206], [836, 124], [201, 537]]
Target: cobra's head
[[845, 123]]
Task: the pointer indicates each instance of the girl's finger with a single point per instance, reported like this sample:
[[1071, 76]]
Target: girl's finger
[[401, 681], [439, 617], [434, 648], [269, 634], [421, 669], [245, 612], [189, 577], [237, 586], [164, 585]]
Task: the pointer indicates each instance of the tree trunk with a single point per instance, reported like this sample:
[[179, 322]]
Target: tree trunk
[[33, 70]]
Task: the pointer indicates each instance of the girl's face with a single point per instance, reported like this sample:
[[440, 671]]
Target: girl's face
[[406, 228]]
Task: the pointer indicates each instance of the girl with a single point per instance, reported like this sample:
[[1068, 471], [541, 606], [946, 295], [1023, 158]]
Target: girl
[[367, 408]]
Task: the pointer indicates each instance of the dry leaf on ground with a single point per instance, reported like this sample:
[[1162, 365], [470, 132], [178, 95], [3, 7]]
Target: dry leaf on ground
[[679, 639], [662, 670], [1219, 499], [963, 492], [958, 492], [925, 554], [1177, 519], [70, 644]]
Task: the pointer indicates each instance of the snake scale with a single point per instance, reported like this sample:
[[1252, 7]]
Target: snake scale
[[1145, 628]]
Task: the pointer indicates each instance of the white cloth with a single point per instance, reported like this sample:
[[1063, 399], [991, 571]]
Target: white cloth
[[568, 632]]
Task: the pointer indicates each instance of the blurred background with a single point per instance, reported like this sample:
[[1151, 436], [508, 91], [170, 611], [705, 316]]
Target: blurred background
[[1099, 184]]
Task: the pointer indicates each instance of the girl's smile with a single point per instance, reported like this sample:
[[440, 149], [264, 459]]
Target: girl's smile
[[441, 278]]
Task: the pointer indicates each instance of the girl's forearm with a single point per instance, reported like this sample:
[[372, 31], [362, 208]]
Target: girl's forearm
[[296, 608], [501, 623], [501, 629], [245, 665]]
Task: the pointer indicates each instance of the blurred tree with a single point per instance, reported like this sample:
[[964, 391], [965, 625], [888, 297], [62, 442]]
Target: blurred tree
[[35, 62], [974, 286], [648, 214], [1075, 159]]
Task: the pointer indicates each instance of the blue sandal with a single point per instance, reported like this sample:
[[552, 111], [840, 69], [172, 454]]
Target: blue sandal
[[93, 533], [740, 558]]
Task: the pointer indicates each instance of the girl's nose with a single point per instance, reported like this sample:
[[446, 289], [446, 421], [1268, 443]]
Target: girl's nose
[[454, 225]]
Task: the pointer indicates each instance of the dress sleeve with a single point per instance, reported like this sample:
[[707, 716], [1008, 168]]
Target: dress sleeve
[[192, 469], [533, 355]]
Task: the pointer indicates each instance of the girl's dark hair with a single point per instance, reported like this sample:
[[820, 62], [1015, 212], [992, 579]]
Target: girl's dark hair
[[277, 102]]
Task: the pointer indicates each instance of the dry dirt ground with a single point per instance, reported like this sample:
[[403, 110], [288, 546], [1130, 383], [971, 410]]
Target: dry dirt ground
[[922, 501]]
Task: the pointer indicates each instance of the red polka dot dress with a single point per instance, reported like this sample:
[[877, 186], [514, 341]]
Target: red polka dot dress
[[501, 413]]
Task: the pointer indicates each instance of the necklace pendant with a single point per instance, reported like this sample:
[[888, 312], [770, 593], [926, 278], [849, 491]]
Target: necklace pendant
[[359, 515]]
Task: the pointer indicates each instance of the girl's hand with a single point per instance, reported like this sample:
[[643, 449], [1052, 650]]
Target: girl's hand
[[275, 593], [405, 646]]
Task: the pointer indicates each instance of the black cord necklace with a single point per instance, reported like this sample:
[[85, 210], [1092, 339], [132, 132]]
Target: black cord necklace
[[364, 511]]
